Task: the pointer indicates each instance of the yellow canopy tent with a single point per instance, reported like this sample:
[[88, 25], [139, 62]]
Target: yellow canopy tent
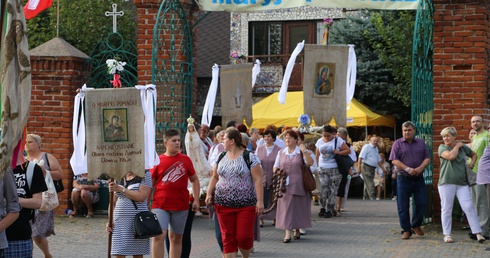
[[270, 111]]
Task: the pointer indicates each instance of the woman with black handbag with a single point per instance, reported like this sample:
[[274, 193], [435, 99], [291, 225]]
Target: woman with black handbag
[[294, 208], [326, 148], [130, 198], [343, 190]]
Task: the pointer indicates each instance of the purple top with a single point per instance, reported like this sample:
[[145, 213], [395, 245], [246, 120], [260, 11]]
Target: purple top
[[483, 175], [411, 154], [267, 162]]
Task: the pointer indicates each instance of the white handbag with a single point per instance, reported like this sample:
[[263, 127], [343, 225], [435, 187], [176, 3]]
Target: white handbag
[[50, 197]]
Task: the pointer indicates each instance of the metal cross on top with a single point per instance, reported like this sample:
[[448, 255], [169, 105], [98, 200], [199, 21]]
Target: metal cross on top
[[114, 15]]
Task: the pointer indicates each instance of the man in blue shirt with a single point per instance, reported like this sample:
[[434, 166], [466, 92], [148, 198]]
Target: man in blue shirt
[[369, 159], [410, 156]]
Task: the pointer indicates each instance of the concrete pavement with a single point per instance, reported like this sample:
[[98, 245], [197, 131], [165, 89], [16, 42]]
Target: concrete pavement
[[366, 229]]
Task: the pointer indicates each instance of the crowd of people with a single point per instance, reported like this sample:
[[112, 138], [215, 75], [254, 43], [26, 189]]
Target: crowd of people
[[231, 174]]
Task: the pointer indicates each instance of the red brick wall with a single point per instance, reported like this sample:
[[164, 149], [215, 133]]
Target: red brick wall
[[461, 70], [54, 82]]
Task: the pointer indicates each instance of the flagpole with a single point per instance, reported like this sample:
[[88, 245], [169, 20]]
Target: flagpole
[[58, 19], [2, 25], [2, 19]]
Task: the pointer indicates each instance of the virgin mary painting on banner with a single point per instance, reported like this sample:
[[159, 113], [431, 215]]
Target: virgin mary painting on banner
[[324, 84]]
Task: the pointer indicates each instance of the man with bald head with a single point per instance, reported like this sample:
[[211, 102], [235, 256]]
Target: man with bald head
[[369, 159], [478, 192]]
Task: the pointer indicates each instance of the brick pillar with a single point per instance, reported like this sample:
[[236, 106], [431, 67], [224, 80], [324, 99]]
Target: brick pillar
[[54, 84], [461, 71]]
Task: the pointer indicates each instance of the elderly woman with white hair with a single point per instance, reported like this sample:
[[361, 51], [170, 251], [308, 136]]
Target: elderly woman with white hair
[[44, 223], [453, 182]]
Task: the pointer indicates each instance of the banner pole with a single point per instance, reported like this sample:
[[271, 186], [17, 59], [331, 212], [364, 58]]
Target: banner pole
[[2, 19], [111, 219]]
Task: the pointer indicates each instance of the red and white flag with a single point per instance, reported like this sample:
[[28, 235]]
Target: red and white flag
[[34, 7]]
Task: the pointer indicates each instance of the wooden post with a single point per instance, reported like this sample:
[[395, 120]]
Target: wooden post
[[111, 219], [2, 18]]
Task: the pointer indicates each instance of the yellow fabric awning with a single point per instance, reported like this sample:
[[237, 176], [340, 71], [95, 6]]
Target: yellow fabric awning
[[360, 115], [270, 111]]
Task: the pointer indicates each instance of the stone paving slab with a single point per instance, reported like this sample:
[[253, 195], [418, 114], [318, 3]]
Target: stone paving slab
[[366, 229]]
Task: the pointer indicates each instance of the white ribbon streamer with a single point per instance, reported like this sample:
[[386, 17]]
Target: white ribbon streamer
[[255, 72], [207, 112], [289, 70], [351, 75], [78, 160], [149, 101]]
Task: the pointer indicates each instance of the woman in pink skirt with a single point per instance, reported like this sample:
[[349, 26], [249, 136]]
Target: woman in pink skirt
[[294, 208]]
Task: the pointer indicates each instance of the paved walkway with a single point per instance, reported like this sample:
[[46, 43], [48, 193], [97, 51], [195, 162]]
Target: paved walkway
[[366, 229]]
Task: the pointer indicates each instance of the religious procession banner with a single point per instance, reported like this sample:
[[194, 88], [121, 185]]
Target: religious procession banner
[[115, 132], [15, 82], [265, 5], [236, 93], [325, 82]]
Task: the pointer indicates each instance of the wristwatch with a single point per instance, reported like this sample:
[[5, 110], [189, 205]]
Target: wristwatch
[[124, 190], [407, 169]]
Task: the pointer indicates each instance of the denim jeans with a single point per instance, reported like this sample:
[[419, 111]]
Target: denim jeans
[[406, 186], [217, 232]]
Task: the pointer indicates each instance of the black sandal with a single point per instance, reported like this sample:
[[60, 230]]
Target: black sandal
[[298, 236]]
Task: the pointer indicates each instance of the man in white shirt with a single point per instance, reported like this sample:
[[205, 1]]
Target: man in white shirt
[[369, 159]]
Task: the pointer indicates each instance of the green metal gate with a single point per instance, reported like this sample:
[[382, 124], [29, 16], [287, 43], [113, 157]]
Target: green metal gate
[[172, 68], [422, 88], [114, 47]]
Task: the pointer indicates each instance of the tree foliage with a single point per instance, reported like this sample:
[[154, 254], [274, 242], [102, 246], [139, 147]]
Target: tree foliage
[[82, 23], [395, 29], [383, 70]]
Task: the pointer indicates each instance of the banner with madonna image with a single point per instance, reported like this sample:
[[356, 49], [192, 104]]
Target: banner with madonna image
[[114, 132]]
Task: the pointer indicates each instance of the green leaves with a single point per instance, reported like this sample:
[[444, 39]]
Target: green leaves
[[383, 44], [82, 23]]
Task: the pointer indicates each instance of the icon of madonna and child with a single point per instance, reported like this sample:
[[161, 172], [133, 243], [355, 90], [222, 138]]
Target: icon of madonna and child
[[324, 85]]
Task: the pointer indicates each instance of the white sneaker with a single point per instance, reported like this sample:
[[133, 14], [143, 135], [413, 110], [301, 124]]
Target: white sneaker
[[377, 199], [302, 231], [394, 198], [198, 214]]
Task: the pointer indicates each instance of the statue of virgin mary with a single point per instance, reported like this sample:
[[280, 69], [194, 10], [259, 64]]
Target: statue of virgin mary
[[194, 149]]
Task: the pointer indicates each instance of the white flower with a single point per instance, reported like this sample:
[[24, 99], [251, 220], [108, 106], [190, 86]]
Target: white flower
[[114, 66], [120, 66]]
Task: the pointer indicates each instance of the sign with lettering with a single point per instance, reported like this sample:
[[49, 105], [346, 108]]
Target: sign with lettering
[[115, 134], [263, 5]]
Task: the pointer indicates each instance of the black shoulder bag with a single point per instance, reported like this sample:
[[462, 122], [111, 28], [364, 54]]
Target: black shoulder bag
[[58, 184], [344, 162], [145, 223]]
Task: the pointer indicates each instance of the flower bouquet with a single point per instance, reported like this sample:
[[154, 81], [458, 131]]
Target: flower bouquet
[[327, 24], [237, 57], [304, 123], [115, 67]]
